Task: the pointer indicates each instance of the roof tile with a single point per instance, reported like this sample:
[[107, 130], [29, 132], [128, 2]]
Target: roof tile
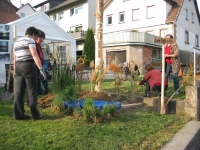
[[173, 14], [8, 17]]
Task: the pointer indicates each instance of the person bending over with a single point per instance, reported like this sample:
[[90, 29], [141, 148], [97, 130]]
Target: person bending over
[[152, 80]]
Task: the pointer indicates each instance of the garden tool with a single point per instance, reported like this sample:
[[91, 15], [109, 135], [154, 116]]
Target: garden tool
[[7, 95]]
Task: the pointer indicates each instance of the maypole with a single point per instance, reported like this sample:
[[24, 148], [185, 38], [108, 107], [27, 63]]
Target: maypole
[[99, 41]]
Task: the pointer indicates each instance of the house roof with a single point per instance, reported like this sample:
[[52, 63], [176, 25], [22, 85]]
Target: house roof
[[41, 4], [173, 14], [197, 10], [62, 5], [25, 5], [8, 17]]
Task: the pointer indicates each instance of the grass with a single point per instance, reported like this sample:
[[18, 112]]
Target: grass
[[108, 86], [135, 129]]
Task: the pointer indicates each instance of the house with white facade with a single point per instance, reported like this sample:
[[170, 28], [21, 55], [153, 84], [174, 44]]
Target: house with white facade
[[25, 10], [129, 30], [45, 5], [75, 17]]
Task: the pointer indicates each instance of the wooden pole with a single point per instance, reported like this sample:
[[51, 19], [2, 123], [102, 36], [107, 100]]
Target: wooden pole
[[163, 41], [163, 80], [99, 41]]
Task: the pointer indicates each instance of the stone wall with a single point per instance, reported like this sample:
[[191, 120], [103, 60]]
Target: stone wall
[[192, 102]]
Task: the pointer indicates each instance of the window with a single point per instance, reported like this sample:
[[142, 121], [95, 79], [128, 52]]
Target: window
[[197, 41], [121, 17], [22, 15], [54, 17], [46, 6], [76, 11], [150, 12], [163, 33], [109, 21], [186, 37], [135, 14], [61, 15], [156, 54], [186, 14], [192, 17]]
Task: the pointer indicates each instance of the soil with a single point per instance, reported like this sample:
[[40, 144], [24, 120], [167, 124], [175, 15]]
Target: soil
[[46, 100]]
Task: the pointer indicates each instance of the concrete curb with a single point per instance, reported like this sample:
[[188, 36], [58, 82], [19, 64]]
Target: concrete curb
[[188, 138], [131, 106]]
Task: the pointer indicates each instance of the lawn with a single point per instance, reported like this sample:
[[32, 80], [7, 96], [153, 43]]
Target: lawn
[[140, 128]]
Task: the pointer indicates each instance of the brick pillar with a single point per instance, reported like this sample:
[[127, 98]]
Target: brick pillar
[[192, 102]]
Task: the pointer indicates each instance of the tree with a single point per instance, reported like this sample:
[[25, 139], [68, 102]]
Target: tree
[[89, 46]]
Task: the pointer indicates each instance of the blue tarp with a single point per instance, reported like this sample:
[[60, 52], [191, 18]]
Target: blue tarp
[[97, 103]]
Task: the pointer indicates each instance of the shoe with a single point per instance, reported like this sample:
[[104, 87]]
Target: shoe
[[23, 118], [40, 116], [45, 92], [146, 95]]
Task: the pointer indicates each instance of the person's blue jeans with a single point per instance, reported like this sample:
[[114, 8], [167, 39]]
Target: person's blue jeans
[[174, 75], [25, 76], [45, 64]]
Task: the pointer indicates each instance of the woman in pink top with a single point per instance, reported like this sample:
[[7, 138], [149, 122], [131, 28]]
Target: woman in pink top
[[152, 80]]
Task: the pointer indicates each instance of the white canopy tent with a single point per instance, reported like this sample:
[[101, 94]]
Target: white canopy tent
[[54, 33], [56, 37]]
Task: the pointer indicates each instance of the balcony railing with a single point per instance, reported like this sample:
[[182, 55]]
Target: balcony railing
[[78, 35], [128, 37]]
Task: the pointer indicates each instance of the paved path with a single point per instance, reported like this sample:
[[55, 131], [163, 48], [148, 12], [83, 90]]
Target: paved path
[[188, 138]]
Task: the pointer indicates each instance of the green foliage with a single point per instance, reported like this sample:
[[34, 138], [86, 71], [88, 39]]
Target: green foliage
[[109, 111], [71, 92], [88, 110], [59, 99], [64, 95], [62, 76], [78, 112], [89, 46]]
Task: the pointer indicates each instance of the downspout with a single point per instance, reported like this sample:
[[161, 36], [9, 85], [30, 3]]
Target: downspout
[[174, 29]]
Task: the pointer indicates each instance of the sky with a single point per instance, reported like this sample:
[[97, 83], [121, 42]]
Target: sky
[[35, 2], [32, 2]]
